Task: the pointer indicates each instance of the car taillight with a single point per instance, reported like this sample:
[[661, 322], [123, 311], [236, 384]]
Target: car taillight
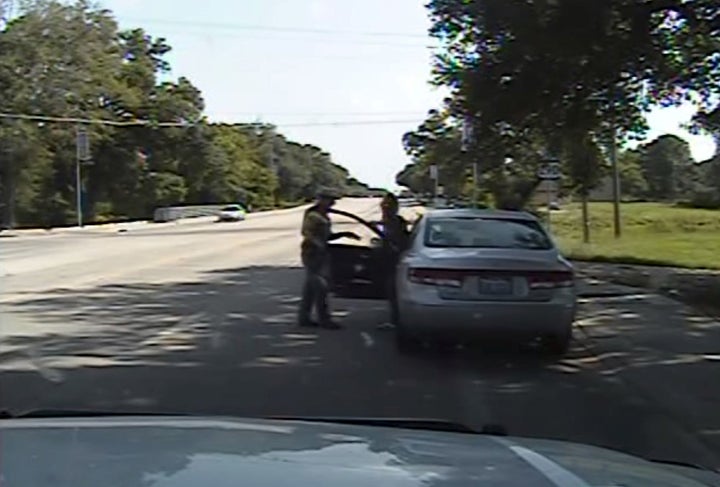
[[550, 280], [436, 277]]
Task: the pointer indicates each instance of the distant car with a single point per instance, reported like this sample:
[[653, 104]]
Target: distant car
[[470, 272], [232, 213]]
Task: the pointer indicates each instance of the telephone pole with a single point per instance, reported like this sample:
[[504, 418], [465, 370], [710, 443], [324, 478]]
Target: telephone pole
[[615, 175], [612, 99]]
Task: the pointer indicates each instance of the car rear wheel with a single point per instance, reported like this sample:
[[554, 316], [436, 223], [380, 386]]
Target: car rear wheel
[[557, 344]]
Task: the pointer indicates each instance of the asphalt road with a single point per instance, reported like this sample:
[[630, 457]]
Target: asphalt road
[[200, 318]]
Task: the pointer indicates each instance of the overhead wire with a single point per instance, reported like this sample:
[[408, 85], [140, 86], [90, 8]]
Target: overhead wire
[[241, 31], [185, 124], [268, 28]]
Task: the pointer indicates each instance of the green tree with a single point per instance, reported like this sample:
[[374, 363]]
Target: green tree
[[547, 70], [667, 167], [69, 60], [632, 177]]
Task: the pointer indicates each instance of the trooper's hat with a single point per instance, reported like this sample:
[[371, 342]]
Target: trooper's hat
[[327, 194]]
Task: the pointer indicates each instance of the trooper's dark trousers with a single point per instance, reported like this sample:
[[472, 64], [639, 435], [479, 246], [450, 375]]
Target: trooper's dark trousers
[[315, 293]]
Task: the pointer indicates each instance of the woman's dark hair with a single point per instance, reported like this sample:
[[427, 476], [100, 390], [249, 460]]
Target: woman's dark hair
[[390, 199]]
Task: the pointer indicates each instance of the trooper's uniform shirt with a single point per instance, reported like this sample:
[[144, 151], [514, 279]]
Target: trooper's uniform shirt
[[315, 232]]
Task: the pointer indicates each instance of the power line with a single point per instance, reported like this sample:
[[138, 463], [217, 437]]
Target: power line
[[269, 28], [326, 114], [91, 121], [211, 29], [295, 39], [349, 123], [149, 123]]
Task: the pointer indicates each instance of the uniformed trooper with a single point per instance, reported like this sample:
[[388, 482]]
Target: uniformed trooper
[[316, 233], [395, 241]]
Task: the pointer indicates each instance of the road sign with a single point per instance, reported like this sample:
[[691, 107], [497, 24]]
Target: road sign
[[83, 144], [550, 171], [434, 172]]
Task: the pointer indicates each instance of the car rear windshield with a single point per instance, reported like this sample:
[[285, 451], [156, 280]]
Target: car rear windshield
[[232, 208], [486, 233]]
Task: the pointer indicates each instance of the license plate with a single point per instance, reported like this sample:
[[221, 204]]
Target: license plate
[[495, 287]]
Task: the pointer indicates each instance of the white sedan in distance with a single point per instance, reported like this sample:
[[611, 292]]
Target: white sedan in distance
[[232, 213]]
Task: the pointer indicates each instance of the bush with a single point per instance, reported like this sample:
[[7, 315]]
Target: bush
[[707, 199]]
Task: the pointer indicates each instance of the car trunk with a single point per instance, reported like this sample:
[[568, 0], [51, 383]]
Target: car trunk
[[494, 274]]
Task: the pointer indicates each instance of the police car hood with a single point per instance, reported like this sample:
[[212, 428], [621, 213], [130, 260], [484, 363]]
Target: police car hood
[[181, 451]]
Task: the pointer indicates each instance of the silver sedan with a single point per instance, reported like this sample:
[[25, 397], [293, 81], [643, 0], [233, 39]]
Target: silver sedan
[[470, 271]]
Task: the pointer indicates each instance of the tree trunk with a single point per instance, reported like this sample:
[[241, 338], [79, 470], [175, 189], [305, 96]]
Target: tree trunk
[[585, 218], [8, 183]]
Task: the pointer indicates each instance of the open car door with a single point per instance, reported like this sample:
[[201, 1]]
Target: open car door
[[358, 270]]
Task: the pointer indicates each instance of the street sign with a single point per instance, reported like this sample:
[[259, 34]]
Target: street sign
[[82, 144], [550, 171], [434, 172]]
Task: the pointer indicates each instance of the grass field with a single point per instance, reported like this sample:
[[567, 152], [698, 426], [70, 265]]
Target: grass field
[[653, 233]]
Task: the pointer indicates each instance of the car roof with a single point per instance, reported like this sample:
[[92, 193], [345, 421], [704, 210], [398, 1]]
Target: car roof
[[480, 213]]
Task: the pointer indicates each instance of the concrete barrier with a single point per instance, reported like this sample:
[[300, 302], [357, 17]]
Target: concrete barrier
[[172, 213]]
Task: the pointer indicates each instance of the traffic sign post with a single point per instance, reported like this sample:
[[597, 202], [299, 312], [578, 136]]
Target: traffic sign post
[[434, 175], [82, 145], [550, 172]]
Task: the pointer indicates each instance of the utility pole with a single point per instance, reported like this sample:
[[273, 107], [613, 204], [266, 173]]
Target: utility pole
[[615, 175], [476, 184], [82, 155], [467, 142], [435, 176], [585, 217], [617, 225]]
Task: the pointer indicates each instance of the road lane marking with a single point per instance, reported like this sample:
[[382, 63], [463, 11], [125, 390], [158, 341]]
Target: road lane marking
[[555, 473], [367, 339], [48, 373]]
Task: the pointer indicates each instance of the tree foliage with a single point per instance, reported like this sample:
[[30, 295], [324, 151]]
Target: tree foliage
[[663, 170], [562, 77], [71, 60]]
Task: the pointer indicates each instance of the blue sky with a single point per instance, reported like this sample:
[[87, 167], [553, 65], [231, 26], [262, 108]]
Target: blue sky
[[300, 64]]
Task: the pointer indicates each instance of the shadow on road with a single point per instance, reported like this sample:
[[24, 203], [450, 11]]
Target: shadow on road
[[227, 344]]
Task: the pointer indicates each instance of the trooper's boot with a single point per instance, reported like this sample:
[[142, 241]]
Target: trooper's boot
[[330, 325]]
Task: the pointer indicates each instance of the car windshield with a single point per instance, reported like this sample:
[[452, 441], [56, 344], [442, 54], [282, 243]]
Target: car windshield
[[486, 233], [172, 177]]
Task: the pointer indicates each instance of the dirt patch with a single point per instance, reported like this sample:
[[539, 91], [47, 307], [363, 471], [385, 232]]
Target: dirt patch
[[698, 288]]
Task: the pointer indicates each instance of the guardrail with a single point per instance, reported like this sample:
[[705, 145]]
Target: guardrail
[[172, 213]]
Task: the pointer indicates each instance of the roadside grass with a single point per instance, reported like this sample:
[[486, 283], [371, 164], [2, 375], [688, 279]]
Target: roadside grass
[[653, 234]]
